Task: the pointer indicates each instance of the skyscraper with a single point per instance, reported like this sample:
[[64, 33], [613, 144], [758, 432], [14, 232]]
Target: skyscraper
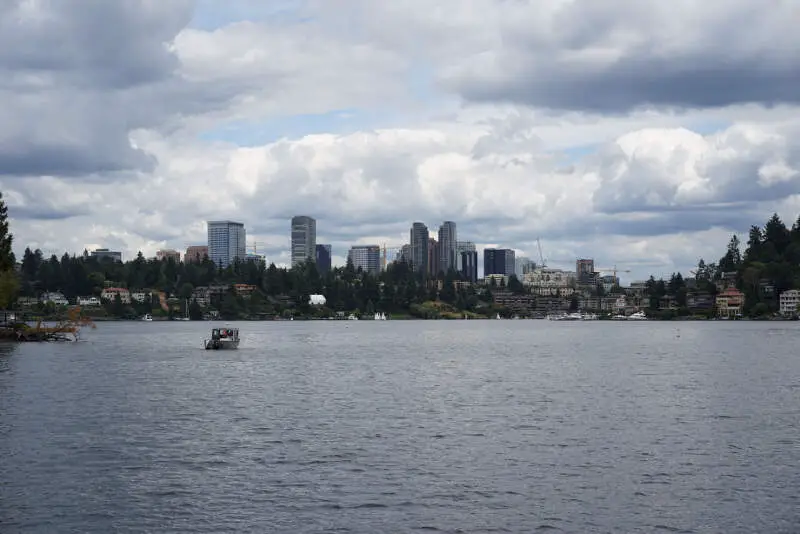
[[304, 239], [433, 257], [323, 255], [227, 242], [404, 254], [524, 266], [419, 247], [195, 253], [498, 261], [461, 247], [584, 271], [447, 246], [366, 257], [469, 265]]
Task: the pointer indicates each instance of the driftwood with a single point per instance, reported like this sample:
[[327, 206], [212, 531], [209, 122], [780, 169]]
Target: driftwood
[[68, 329]]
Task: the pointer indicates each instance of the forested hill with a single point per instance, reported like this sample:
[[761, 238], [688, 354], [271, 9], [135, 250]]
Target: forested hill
[[768, 266]]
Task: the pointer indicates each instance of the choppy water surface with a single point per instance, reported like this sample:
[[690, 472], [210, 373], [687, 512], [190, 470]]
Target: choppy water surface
[[468, 426]]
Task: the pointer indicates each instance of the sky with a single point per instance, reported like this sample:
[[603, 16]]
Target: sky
[[639, 133]]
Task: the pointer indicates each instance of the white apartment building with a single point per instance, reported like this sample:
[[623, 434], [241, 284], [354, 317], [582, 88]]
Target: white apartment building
[[88, 301], [789, 301], [140, 296], [110, 293], [550, 282]]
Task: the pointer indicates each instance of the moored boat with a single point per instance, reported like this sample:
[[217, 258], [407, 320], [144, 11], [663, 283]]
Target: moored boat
[[222, 339]]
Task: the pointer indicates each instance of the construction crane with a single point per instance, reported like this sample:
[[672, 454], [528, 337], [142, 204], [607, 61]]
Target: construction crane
[[254, 245], [543, 264], [541, 257], [613, 270]]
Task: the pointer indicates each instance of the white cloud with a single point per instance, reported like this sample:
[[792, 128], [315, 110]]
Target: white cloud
[[120, 160], [644, 194]]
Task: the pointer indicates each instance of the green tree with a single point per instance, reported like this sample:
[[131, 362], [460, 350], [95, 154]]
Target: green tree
[[515, 286], [7, 259], [732, 259], [195, 311], [9, 282], [117, 306], [9, 288]]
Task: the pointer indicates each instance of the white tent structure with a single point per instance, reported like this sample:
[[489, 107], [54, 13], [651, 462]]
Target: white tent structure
[[317, 300]]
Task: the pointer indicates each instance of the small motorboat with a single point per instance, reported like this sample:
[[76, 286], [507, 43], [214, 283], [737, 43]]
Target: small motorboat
[[222, 339]]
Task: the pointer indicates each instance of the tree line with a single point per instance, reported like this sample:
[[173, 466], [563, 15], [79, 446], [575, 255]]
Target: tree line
[[397, 289], [768, 266]]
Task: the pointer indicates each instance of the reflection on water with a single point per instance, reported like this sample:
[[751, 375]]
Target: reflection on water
[[474, 426]]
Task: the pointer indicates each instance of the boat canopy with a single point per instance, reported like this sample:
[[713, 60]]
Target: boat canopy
[[225, 332]]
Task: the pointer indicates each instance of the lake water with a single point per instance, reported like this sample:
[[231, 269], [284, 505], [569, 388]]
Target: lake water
[[405, 426]]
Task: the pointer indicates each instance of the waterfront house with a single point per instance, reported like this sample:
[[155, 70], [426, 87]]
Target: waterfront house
[[88, 301], [56, 297], [789, 302], [110, 293], [730, 303]]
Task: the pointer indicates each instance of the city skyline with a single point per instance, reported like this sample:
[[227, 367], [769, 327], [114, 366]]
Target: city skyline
[[633, 151], [231, 240]]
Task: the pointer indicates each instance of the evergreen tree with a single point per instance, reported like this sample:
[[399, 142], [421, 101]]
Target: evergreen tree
[[7, 259], [9, 281]]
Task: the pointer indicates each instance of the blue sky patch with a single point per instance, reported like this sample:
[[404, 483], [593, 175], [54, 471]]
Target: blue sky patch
[[212, 14], [256, 133]]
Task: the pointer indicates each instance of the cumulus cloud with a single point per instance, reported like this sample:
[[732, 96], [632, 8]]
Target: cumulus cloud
[[368, 187], [105, 136]]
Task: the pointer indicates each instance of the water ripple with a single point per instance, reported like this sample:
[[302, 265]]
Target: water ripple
[[442, 427]]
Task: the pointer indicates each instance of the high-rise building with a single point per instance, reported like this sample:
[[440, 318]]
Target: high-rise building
[[448, 246], [419, 247], [404, 254], [434, 265], [106, 254], [323, 255], [524, 265], [304, 239], [256, 258], [227, 242], [463, 246], [195, 253], [469, 265], [366, 257], [165, 254], [584, 271], [498, 261]]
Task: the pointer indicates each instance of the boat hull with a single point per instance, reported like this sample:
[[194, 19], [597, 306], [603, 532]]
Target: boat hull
[[217, 344]]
